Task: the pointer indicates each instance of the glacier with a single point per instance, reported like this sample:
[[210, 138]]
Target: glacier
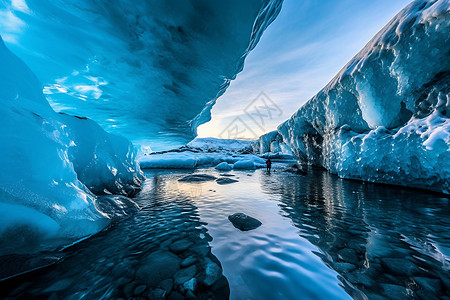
[[149, 70], [385, 116], [91, 80], [52, 167]]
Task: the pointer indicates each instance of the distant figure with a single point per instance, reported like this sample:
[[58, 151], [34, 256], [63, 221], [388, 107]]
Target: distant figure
[[268, 164]]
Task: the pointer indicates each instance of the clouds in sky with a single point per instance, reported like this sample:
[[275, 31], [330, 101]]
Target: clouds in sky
[[299, 54]]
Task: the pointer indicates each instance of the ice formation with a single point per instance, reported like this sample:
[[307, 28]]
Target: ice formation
[[49, 163], [147, 70], [385, 116], [189, 160]]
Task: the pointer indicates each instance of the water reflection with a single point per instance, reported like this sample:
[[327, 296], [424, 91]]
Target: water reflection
[[383, 240], [161, 252]]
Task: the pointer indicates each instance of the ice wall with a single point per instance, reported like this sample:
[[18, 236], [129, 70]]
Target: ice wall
[[147, 70], [48, 163], [385, 116], [271, 142]]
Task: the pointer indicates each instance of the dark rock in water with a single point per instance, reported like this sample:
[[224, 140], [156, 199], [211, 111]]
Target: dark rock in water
[[180, 246], [212, 272], [226, 180], [157, 266], [190, 285], [184, 275], [197, 178], [394, 291], [157, 294], [188, 261], [140, 289], [348, 255], [227, 175], [343, 267], [166, 285], [430, 284], [243, 222], [398, 266]]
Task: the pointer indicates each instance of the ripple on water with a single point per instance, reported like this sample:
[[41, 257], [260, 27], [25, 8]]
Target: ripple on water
[[321, 238]]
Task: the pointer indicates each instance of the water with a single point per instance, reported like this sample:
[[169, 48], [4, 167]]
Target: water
[[321, 238]]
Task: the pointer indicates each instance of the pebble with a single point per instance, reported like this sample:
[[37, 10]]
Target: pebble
[[343, 267], [157, 294], [128, 290], [140, 289], [184, 275], [166, 285], [191, 285], [157, 266], [431, 284], [393, 291], [180, 246], [399, 266], [348, 255], [212, 272], [188, 261]]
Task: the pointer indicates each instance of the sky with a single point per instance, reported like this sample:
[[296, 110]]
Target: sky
[[300, 52]]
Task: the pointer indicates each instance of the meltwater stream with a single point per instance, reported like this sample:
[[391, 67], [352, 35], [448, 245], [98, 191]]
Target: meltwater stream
[[321, 238]]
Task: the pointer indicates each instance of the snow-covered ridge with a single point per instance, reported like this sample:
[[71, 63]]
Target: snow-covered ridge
[[384, 117], [51, 166], [147, 70]]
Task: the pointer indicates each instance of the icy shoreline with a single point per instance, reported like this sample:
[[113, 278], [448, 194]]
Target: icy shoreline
[[384, 117]]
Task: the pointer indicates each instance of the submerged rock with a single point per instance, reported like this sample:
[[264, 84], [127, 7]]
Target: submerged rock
[[157, 266], [197, 178], [226, 180], [243, 222], [180, 246], [184, 275], [212, 272]]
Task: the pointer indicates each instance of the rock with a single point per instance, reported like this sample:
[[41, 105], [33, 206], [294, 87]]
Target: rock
[[359, 278], [140, 289], [191, 285], [166, 285], [201, 250], [157, 294], [393, 291], [157, 266], [190, 295], [180, 246], [430, 284], [426, 295], [197, 178], [188, 261], [175, 296], [212, 272], [243, 222], [184, 275], [227, 175], [128, 290], [399, 266], [348, 255], [226, 181], [342, 267]]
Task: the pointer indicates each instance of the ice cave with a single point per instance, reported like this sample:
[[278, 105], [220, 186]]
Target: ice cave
[[109, 190]]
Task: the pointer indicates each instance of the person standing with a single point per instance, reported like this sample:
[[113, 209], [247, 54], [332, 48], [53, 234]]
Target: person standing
[[268, 164]]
